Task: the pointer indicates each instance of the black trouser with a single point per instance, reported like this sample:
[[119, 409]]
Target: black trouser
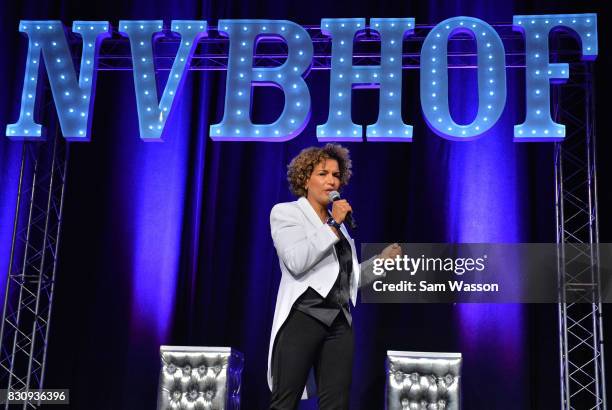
[[303, 342]]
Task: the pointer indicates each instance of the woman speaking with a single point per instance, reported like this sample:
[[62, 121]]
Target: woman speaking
[[320, 275]]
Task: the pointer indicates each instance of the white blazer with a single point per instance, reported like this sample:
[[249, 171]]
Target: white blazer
[[305, 248]]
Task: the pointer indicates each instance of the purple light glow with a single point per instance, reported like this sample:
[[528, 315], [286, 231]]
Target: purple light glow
[[484, 207], [157, 205], [485, 196], [9, 180]]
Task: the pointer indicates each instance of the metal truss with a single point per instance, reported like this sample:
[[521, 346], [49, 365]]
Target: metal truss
[[212, 51], [26, 315], [580, 314]]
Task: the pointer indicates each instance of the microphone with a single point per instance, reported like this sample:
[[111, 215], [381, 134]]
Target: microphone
[[334, 196]]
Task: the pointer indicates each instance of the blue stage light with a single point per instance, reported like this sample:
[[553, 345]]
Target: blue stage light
[[236, 124], [538, 125], [434, 78], [153, 112], [73, 100]]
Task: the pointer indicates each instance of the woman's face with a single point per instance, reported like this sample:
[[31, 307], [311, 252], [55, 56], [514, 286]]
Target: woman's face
[[325, 178]]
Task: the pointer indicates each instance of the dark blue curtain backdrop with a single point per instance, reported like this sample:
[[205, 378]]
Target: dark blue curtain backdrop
[[169, 243]]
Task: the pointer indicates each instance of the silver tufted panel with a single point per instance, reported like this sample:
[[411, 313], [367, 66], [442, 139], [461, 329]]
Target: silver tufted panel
[[199, 378], [423, 381]]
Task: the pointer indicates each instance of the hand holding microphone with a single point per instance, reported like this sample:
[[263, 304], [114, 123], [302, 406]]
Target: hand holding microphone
[[341, 210]]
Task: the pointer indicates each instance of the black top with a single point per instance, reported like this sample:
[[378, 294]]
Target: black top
[[326, 309]]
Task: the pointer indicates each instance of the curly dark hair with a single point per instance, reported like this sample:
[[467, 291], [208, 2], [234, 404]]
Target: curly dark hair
[[300, 168]]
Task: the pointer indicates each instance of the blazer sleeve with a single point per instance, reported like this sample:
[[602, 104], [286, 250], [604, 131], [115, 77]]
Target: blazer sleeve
[[366, 272], [298, 249]]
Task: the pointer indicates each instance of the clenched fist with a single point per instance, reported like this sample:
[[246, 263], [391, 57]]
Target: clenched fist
[[391, 251]]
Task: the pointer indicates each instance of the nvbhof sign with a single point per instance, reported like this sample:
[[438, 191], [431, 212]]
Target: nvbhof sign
[[73, 94]]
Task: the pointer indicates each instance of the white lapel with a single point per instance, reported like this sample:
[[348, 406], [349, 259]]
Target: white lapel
[[345, 232], [309, 211], [356, 272], [314, 218]]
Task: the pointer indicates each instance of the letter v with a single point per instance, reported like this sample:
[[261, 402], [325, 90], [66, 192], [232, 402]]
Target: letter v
[[152, 114]]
